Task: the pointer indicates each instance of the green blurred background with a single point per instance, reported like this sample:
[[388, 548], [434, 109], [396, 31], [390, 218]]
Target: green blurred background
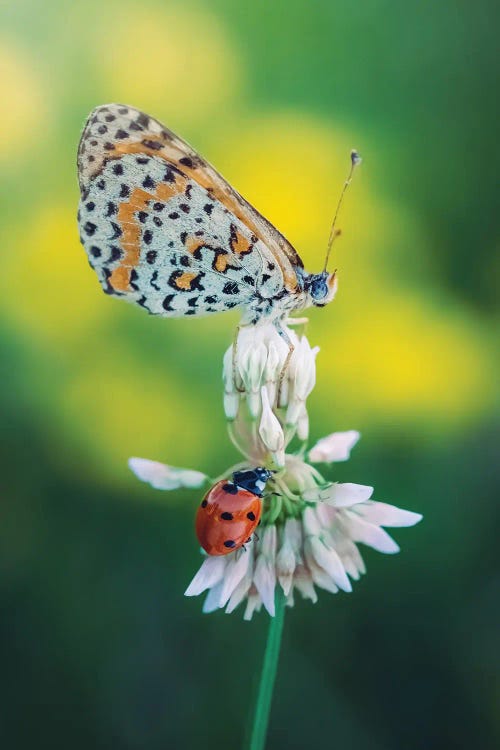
[[99, 647]]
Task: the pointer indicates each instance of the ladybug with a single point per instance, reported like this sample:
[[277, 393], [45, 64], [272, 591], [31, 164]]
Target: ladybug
[[230, 511]]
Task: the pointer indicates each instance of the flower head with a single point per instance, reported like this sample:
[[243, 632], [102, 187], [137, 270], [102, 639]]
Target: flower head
[[311, 527]]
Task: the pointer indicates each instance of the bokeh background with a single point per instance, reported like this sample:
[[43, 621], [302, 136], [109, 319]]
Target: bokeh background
[[99, 647]]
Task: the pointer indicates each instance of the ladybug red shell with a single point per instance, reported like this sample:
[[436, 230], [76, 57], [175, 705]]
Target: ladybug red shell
[[230, 511]]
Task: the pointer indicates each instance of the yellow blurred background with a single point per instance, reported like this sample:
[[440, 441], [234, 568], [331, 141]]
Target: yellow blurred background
[[275, 96]]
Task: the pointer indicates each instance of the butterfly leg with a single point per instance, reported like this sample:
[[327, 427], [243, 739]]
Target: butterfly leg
[[296, 321], [291, 348]]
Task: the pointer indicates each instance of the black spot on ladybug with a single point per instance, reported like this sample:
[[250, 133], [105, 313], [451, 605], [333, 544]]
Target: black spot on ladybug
[[102, 129], [184, 207], [211, 299], [124, 191], [157, 221], [249, 280], [227, 516], [142, 216], [148, 182], [89, 228], [265, 277], [101, 184], [151, 256], [116, 253], [208, 208], [169, 176], [142, 160], [158, 206], [173, 215], [147, 236], [251, 516], [121, 134], [204, 503], [231, 489], [185, 261], [110, 118], [186, 161], [229, 543], [90, 206], [111, 211], [95, 251]]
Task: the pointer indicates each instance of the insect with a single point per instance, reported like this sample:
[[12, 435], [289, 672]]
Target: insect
[[230, 511], [164, 230]]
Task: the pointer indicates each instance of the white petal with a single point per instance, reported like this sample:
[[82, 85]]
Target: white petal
[[366, 533], [322, 579], [244, 585], [231, 405], [303, 424], [254, 604], [264, 577], [302, 581], [210, 573], [327, 558], [334, 447], [211, 602], [163, 477], [311, 523], [273, 363], [344, 495], [252, 362], [303, 369], [270, 430], [285, 566], [234, 573], [190, 479], [383, 514], [227, 370]]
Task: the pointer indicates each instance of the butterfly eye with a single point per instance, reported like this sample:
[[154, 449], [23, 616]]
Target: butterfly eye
[[319, 287]]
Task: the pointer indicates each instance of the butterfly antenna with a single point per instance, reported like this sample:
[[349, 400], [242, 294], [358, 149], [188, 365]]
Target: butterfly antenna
[[355, 160]]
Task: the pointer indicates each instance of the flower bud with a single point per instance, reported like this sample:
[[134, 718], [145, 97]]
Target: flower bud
[[270, 431]]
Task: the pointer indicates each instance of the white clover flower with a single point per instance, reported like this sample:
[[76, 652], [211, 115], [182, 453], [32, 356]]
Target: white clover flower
[[163, 477], [310, 527], [334, 447]]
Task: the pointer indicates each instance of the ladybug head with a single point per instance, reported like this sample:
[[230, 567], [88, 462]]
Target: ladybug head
[[253, 480]]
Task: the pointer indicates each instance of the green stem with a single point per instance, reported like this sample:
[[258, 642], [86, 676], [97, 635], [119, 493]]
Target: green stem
[[260, 720]]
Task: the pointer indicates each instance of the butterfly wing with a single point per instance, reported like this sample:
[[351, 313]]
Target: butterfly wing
[[162, 228]]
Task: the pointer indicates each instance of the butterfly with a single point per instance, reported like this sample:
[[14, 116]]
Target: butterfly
[[164, 230]]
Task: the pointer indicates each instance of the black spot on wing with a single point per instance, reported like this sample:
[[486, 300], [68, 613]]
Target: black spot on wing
[[153, 280], [231, 287], [166, 304], [154, 145]]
